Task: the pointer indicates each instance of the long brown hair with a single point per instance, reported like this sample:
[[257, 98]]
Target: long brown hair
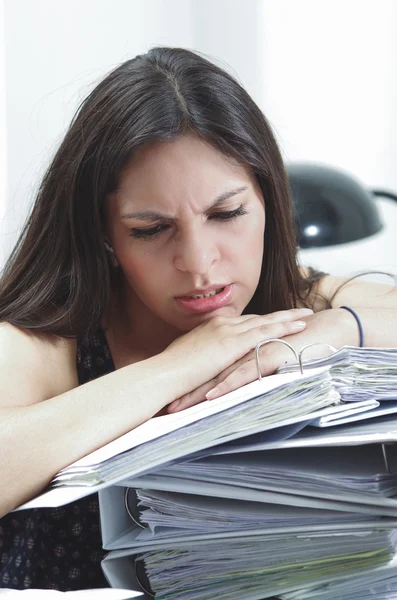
[[58, 278]]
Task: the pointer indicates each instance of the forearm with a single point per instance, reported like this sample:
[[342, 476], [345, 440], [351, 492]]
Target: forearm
[[38, 440], [339, 327], [379, 326], [375, 305]]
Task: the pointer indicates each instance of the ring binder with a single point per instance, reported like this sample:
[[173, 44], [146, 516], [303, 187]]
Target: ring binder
[[310, 346], [297, 356], [129, 512], [258, 346], [137, 576], [385, 458]]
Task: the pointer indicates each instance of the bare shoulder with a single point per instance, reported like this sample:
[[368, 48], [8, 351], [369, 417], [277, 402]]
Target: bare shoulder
[[34, 368], [352, 292]]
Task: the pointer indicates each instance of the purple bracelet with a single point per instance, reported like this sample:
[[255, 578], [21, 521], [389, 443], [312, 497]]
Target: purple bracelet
[[360, 327]]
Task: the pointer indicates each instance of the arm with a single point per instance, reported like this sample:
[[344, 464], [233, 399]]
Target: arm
[[47, 422], [375, 304]]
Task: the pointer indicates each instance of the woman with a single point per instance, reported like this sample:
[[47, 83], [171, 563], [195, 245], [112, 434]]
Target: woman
[[159, 252]]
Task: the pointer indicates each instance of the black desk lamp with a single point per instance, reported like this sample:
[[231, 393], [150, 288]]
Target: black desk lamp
[[331, 207]]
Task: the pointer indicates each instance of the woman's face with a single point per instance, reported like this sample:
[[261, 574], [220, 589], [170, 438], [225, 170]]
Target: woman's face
[[185, 222]]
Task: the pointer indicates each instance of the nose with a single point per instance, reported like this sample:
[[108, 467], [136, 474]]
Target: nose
[[196, 253]]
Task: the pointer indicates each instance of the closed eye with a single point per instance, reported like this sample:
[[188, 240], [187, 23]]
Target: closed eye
[[146, 233], [229, 215]]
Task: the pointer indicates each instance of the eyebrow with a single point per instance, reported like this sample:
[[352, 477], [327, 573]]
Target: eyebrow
[[149, 215]]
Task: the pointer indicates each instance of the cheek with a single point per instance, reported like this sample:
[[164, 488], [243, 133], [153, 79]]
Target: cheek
[[252, 242], [141, 272]]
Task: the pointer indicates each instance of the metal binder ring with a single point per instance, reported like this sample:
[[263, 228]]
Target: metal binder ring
[[386, 459], [258, 367], [127, 508], [310, 346], [139, 582]]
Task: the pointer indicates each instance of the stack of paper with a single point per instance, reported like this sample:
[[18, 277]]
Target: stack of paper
[[274, 402], [255, 567], [376, 584], [94, 594], [359, 474], [183, 521], [292, 523], [358, 373], [252, 495], [169, 514]]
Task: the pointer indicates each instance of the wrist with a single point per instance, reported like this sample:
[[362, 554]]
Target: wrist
[[169, 376], [350, 324]]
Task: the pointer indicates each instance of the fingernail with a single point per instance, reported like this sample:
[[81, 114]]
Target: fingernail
[[174, 405], [212, 394], [298, 324], [306, 311]]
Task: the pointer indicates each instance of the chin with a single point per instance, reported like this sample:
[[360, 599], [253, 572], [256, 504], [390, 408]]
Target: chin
[[195, 320]]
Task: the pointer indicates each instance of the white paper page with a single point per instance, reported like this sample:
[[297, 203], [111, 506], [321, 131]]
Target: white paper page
[[360, 584], [159, 426], [111, 475], [383, 409], [220, 490], [212, 509], [94, 594], [352, 412], [61, 496], [133, 538], [118, 568], [277, 564], [335, 464], [379, 431]]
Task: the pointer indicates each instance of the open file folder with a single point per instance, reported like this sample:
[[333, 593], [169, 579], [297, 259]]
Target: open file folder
[[184, 560], [274, 402], [253, 567], [358, 373], [283, 489], [271, 409], [239, 511], [375, 584]]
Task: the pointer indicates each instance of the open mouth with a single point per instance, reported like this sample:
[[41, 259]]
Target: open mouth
[[213, 293]]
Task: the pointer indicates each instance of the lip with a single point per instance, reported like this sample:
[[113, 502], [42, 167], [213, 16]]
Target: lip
[[205, 305]]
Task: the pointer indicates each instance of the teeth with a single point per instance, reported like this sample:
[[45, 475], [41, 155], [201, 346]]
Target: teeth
[[206, 295]]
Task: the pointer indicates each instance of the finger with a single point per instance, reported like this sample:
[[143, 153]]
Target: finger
[[193, 398], [247, 340], [244, 374], [199, 395], [271, 330], [281, 315], [239, 373]]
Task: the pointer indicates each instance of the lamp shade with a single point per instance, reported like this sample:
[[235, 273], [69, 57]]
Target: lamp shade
[[330, 206]]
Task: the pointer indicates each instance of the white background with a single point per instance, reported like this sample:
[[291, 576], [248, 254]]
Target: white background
[[324, 73]]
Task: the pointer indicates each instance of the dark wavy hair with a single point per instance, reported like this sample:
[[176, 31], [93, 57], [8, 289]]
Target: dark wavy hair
[[58, 278]]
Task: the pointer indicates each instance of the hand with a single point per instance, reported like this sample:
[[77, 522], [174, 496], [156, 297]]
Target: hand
[[219, 343], [328, 326]]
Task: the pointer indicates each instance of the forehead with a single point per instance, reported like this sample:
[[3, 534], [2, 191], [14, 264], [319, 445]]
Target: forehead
[[187, 169]]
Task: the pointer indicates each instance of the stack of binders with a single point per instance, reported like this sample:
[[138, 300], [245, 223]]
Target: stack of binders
[[286, 488]]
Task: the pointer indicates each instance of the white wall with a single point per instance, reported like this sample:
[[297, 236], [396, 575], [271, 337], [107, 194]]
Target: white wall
[[331, 83], [331, 96]]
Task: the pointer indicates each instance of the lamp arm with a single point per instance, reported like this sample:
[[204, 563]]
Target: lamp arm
[[384, 194]]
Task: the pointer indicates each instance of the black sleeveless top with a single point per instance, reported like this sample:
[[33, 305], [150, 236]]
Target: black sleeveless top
[[58, 548]]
